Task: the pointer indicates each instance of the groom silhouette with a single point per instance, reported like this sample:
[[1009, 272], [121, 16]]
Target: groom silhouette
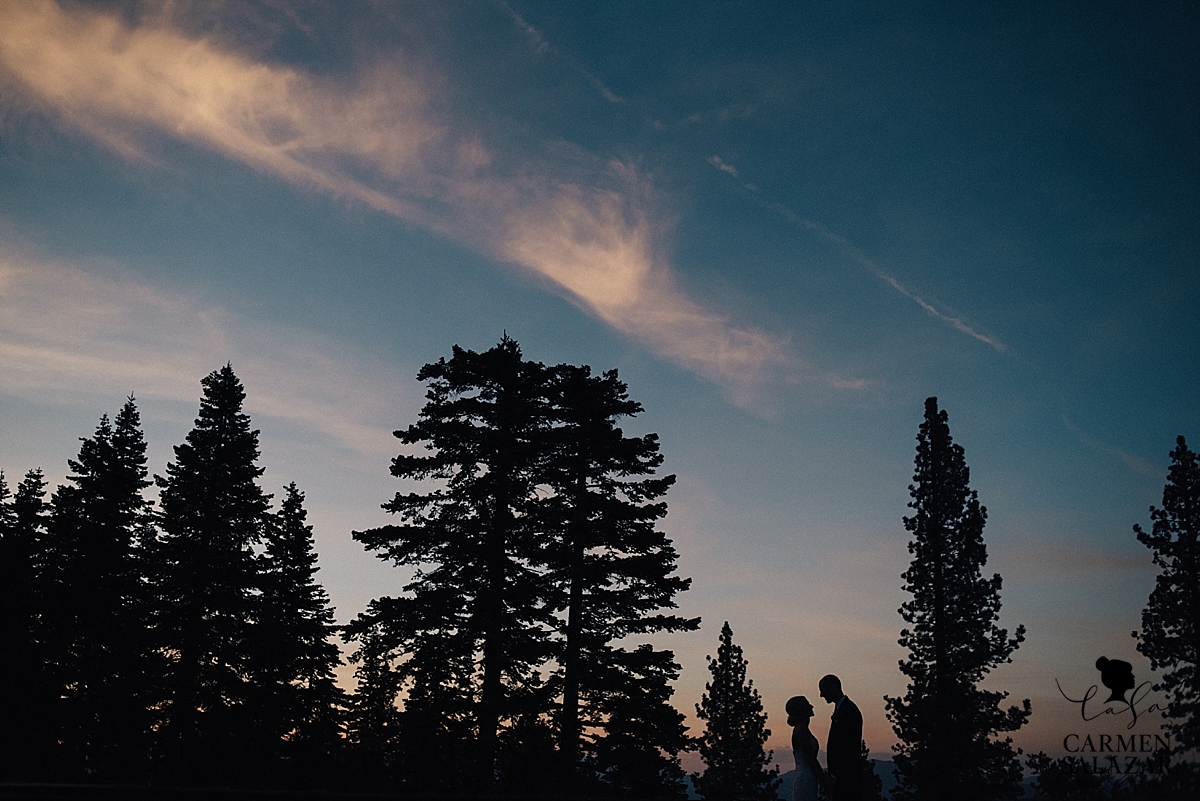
[[843, 751]]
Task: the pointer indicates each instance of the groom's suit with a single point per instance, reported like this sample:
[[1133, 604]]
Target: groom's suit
[[843, 751]]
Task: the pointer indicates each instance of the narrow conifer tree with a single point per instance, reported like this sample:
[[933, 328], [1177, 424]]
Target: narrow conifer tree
[[212, 514], [373, 719], [16, 576], [296, 655], [29, 704], [99, 609], [1170, 635], [872, 789], [945, 722], [735, 730], [472, 628]]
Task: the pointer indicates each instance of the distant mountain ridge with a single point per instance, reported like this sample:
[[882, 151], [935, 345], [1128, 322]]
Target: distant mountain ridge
[[884, 768]]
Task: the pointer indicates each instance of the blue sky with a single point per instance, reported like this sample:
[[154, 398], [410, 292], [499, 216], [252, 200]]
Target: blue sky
[[785, 224]]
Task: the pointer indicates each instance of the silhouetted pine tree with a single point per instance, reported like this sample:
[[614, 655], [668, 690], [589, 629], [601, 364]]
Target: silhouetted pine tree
[[212, 514], [872, 789], [613, 573], [98, 610], [16, 629], [295, 653], [526, 760], [1067, 779], [472, 628], [1170, 635], [735, 729], [373, 719], [28, 703], [638, 754], [945, 722], [433, 744]]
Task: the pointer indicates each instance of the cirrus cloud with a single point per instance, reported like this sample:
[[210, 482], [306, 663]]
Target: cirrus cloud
[[72, 331], [380, 139]]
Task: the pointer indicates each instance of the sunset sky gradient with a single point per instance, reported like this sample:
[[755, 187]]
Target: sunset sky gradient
[[786, 224]]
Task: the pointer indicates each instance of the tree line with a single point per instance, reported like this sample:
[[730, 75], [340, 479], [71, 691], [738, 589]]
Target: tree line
[[188, 641]]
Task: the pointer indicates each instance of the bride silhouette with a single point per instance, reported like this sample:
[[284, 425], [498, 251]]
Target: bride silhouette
[[804, 750]]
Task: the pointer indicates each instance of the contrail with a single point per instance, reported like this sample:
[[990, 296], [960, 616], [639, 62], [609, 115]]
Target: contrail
[[541, 47], [854, 254], [1134, 463]]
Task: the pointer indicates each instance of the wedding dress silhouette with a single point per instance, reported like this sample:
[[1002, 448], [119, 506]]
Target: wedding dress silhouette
[[804, 750]]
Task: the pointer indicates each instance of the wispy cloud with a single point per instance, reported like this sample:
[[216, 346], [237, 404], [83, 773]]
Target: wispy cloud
[[536, 40], [604, 91], [1060, 561], [541, 47], [1134, 463], [720, 164], [719, 116], [598, 248], [856, 255], [77, 332], [378, 140]]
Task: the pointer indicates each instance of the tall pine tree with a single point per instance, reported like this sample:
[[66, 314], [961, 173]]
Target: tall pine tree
[[16, 629], [735, 730], [613, 572], [296, 655], [1170, 635], [29, 704], [213, 513], [472, 627], [99, 609], [945, 722]]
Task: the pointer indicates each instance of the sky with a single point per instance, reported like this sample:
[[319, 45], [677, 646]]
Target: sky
[[785, 224]]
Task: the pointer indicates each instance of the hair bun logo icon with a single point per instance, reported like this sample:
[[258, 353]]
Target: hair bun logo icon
[[1116, 675]]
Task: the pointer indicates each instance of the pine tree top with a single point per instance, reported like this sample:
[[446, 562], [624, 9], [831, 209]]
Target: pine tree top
[[214, 475], [945, 722], [735, 730], [110, 473]]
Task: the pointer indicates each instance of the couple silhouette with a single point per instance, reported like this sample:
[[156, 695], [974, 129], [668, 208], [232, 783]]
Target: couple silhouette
[[843, 749]]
